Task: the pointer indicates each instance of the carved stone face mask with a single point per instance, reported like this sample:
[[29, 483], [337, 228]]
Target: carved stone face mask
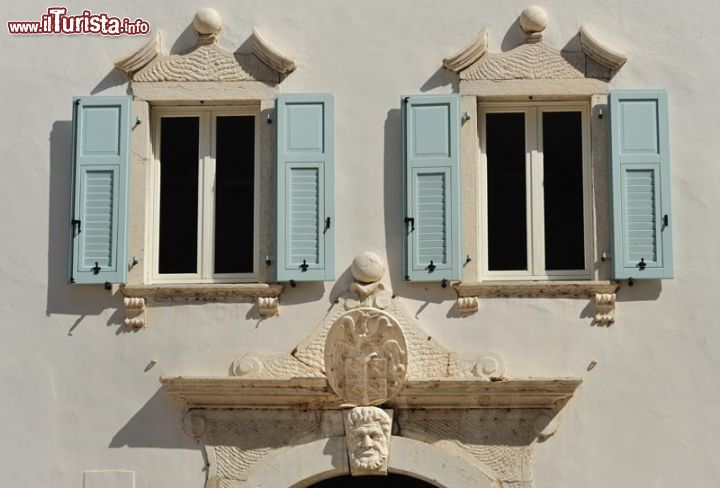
[[367, 431], [369, 447]]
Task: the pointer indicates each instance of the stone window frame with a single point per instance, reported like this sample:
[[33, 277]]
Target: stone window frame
[[536, 72], [206, 75]]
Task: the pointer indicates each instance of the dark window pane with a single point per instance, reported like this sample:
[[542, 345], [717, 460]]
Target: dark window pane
[[178, 194], [563, 189], [506, 213], [234, 194]]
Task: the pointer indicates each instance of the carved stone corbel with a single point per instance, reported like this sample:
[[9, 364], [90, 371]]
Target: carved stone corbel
[[194, 425], [268, 306], [134, 312], [467, 305], [605, 308]]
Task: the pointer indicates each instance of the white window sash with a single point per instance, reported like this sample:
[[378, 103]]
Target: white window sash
[[206, 197], [534, 192]]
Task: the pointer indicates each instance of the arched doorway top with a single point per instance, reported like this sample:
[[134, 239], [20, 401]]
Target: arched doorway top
[[303, 465]]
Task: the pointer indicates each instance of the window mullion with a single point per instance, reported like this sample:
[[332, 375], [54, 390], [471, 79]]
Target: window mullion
[[538, 237], [154, 220], [534, 193], [207, 200]]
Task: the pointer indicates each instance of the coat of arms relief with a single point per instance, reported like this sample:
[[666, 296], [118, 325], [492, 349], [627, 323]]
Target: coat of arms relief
[[365, 356]]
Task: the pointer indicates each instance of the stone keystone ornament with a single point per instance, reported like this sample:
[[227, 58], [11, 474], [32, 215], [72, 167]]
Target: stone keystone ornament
[[368, 433], [365, 356]]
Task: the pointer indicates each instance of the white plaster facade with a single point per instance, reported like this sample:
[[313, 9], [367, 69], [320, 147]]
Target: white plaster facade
[[82, 399]]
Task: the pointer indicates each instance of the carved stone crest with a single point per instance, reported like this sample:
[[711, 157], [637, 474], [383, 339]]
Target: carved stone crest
[[365, 356]]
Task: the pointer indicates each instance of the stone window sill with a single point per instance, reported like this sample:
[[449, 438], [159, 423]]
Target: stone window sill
[[264, 294], [603, 292]]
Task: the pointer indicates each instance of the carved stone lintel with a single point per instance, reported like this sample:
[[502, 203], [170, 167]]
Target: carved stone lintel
[[134, 313], [314, 393], [605, 308], [268, 306], [368, 433], [467, 305]]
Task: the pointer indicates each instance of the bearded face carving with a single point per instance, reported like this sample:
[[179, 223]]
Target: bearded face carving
[[368, 430]]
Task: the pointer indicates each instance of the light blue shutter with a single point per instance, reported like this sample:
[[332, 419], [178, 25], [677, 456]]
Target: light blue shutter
[[640, 178], [431, 153], [305, 191], [101, 151]]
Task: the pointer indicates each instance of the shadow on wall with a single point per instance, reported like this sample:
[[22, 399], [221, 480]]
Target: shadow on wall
[[185, 41], [115, 77], [442, 77], [393, 183], [62, 297], [513, 37], [157, 424], [641, 291]]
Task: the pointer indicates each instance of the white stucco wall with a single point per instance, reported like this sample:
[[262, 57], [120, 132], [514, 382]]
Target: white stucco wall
[[76, 393]]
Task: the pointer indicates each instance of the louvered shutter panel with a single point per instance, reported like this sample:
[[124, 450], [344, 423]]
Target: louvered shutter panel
[[305, 191], [101, 151], [640, 178], [431, 153]]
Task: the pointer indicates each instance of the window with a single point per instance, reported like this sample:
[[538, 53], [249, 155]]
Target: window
[[535, 192], [204, 199]]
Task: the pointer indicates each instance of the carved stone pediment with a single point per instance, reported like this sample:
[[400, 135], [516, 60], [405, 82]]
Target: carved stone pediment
[[207, 61], [534, 59]]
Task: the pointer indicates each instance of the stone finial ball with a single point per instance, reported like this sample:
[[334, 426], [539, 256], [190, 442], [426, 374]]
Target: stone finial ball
[[533, 19], [367, 267], [207, 21]]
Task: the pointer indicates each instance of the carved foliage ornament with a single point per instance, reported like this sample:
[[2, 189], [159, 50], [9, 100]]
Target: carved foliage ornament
[[365, 356]]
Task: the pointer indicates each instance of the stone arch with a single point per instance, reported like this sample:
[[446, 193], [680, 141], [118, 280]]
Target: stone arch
[[303, 465]]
